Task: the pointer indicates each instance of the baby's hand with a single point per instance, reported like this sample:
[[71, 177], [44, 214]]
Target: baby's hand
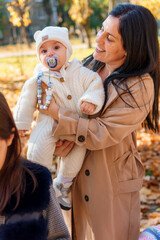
[[22, 133], [87, 107]]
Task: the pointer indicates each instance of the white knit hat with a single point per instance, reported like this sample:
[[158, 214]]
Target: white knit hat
[[59, 34]]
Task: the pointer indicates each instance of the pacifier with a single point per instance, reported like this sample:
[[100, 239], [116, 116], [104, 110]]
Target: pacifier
[[52, 61]]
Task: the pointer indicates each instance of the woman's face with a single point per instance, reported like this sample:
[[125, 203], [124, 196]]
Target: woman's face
[[109, 47], [4, 144]]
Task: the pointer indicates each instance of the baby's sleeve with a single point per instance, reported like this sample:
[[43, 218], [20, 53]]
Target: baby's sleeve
[[26, 105], [93, 87]]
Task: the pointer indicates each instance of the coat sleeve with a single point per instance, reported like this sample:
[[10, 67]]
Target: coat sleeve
[[93, 87], [57, 229], [26, 105], [118, 120]]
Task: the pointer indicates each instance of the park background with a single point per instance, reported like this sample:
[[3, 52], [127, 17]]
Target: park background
[[19, 19]]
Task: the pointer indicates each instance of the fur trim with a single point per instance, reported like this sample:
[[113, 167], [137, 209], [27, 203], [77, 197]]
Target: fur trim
[[32, 201], [26, 230]]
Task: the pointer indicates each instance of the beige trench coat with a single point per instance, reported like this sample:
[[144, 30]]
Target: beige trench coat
[[106, 204]]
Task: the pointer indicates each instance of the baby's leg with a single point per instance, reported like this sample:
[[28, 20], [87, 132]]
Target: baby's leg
[[42, 143], [72, 163], [69, 168]]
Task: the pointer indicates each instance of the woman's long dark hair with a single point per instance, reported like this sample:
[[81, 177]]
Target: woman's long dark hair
[[139, 32], [12, 174]]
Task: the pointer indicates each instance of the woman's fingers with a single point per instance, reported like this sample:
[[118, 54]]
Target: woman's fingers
[[62, 150], [43, 85], [53, 108], [59, 143]]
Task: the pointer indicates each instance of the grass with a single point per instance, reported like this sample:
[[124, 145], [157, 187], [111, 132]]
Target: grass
[[21, 67], [14, 68], [24, 47]]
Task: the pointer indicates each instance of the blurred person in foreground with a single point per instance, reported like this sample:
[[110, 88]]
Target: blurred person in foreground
[[28, 206]]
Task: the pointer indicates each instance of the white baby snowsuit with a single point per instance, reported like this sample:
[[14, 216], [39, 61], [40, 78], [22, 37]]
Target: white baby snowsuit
[[70, 88]]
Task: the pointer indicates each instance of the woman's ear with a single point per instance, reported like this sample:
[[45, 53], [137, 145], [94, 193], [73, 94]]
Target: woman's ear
[[10, 139]]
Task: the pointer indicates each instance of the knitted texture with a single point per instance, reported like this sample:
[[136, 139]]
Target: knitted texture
[[151, 233], [59, 34], [70, 89]]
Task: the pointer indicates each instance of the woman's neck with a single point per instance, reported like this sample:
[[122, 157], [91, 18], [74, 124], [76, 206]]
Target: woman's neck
[[104, 72]]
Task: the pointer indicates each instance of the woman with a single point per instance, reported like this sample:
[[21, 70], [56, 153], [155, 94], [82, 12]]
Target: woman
[[105, 194], [28, 206]]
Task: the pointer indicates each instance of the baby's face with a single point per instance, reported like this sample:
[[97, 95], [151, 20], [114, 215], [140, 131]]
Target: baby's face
[[48, 49]]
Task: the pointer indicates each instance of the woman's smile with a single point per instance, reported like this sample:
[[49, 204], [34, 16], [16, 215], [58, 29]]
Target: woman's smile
[[99, 50]]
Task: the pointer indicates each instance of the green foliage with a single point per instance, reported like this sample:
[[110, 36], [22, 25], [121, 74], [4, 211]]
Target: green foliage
[[148, 172], [64, 19], [100, 8], [3, 15]]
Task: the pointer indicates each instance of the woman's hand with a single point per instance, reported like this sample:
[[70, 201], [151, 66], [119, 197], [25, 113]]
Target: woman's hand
[[63, 148], [53, 108]]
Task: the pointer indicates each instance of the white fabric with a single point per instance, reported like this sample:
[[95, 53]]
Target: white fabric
[[79, 82], [59, 34]]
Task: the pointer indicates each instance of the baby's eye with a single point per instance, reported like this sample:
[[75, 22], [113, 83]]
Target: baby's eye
[[56, 47], [43, 51]]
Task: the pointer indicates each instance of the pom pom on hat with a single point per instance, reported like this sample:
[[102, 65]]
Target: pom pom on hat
[[59, 34]]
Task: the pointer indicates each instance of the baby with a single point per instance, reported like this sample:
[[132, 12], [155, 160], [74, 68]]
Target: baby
[[74, 87]]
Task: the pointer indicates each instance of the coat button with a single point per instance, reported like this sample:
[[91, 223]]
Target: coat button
[[69, 97], [86, 198], [61, 79], [87, 172], [81, 138]]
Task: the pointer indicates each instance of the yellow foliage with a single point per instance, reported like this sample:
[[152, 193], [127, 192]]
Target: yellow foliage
[[152, 5], [80, 11], [21, 2], [19, 14], [26, 19]]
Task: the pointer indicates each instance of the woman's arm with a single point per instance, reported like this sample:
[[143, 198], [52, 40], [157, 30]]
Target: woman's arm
[[117, 121], [53, 109]]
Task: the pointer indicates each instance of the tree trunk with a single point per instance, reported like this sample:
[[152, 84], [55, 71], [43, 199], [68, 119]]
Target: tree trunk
[[86, 33], [24, 36], [13, 35], [82, 35], [48, 10], [49, 20]]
